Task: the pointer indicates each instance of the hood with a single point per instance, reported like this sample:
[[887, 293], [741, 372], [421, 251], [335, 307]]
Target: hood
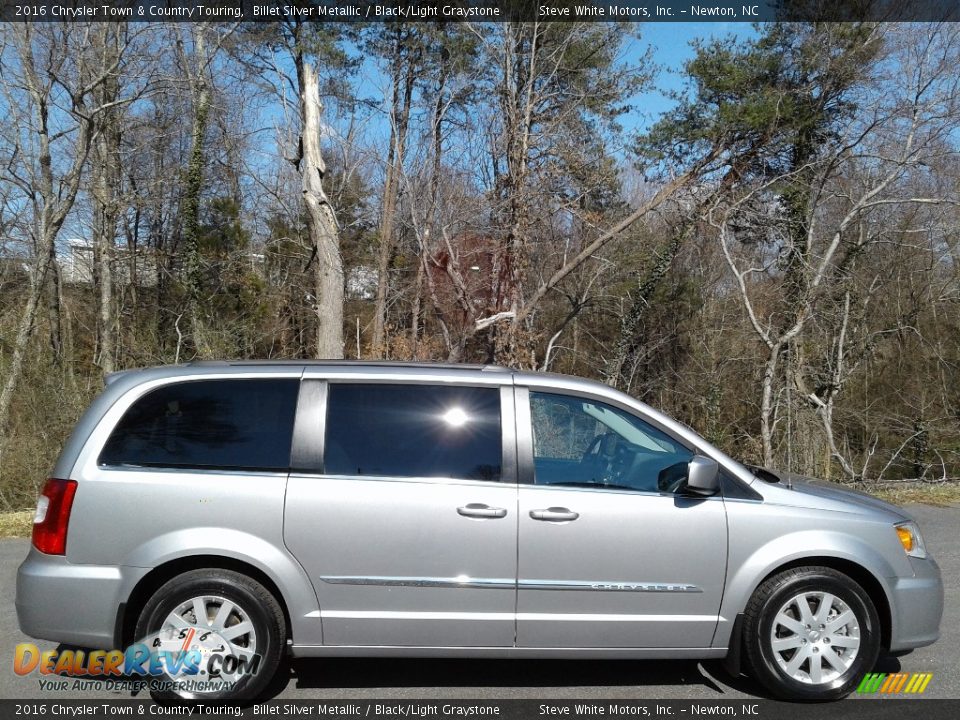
[[812, 492]]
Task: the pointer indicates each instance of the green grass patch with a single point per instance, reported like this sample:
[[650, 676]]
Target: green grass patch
[[16, 524]]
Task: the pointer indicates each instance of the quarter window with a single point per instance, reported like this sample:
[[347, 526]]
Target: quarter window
[[413, 431], [583, 443], [229, 424]]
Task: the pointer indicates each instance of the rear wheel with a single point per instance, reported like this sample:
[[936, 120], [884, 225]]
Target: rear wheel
[[219, 634], [810, 634]]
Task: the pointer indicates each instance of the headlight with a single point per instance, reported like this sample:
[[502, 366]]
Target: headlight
[[911, 539]]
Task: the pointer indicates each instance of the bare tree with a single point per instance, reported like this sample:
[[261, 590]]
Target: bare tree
[[404, 54], [107, 46], [324, 231], [57, 108], [556, 86], [827, 244]]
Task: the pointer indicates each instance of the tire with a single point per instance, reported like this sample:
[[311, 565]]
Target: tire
[[248, 615], [819, 663]]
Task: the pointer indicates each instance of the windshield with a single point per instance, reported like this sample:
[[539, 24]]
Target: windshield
[[629, 431]]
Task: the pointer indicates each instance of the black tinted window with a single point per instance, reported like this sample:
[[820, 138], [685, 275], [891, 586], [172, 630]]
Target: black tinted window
[[208, 424], [413, 431]]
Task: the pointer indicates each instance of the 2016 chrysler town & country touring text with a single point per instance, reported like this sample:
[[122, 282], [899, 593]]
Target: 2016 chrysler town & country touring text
[[242, 511]]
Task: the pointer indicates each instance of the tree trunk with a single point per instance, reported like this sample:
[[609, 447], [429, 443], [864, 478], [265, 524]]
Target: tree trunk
[[106, 214], [193, 189], [384, 255], [630, 338], [767, 404], [103, 254], [55, 309], [415, 311], [321, 221], [424, 277], [105, 169], [400, 120]]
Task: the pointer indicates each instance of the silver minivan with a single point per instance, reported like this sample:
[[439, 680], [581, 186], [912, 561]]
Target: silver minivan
[[235, 513]]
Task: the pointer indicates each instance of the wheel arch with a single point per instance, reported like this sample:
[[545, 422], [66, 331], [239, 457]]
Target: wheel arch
[[129, 611], [856, 572]]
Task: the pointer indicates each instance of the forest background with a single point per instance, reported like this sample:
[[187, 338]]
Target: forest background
[[771, 255]]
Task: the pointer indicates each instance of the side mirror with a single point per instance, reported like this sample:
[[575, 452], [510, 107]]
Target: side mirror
[[703, 476]]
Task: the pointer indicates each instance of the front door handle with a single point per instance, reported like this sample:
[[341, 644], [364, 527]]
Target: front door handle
[[479, 510], [554, 514]]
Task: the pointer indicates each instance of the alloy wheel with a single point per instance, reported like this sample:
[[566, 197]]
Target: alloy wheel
[[815, 637]]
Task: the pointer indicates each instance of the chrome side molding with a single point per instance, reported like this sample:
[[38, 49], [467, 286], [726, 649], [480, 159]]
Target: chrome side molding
[[505, 583]]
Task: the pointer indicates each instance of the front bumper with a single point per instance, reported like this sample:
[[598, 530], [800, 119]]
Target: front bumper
[[72, 604], [916, 606]]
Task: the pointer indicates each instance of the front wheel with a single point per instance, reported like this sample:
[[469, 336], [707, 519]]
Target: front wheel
[[213, 634], [810, 634]]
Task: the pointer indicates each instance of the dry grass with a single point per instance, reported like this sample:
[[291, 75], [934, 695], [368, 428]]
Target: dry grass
[[16, 524], [941, 495]]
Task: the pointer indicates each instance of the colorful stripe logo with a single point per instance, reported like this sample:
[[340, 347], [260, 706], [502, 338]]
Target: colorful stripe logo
[[894, 683]]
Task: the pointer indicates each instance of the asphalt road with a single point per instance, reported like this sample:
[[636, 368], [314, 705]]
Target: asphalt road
[[534, 679]]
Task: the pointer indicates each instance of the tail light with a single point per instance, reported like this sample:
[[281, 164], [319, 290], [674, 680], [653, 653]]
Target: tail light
[[53, 515]]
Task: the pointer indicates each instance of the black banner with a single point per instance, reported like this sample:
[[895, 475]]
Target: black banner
[[859, 708], [478, 10]]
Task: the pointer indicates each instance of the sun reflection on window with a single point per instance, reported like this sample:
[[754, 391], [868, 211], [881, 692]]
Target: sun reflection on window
[[455, 417]]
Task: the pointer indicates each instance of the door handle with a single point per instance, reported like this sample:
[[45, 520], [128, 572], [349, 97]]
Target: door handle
[[554, 514], [479, 510]]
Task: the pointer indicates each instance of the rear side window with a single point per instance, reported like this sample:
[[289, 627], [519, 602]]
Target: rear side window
[[208, 424], [413, 431]]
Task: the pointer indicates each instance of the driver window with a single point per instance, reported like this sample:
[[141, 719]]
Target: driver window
[[583, 443]]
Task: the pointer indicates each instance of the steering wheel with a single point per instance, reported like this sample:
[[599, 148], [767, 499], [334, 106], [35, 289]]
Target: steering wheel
[[597, 444], [672, 478], [602, 457]]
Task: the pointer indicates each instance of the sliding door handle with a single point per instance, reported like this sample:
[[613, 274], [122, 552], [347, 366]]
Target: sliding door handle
[[554, 514], [479, 510]]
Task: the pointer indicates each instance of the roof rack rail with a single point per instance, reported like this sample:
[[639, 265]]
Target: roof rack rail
[[358, 363]]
